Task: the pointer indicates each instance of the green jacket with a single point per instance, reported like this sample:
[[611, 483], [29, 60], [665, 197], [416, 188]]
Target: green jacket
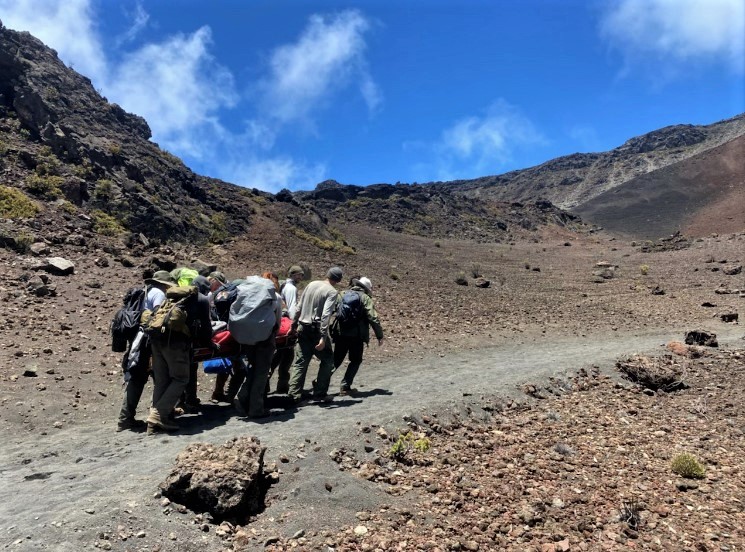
[[362, 329]]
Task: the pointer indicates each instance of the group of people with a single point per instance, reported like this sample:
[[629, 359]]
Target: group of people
[[178, 319]]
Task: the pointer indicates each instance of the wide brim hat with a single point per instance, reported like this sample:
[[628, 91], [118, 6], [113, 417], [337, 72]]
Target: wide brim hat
[[162, 277], [365, 283]]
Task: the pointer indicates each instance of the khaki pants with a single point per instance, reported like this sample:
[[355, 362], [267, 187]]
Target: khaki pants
[[171, 362], [305, 350], [251, 394]]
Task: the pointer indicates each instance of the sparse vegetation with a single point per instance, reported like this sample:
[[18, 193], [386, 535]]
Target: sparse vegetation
[[395, 277], [644, 269], [115, 149], [327, 245], [405, 443], [476, 271], [105, 224], [104, 191], [461, 279], [687, 466], [46, 187], [219, 231], [15, 204]]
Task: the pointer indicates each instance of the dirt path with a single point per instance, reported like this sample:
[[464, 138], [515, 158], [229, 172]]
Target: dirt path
[[61, 490]]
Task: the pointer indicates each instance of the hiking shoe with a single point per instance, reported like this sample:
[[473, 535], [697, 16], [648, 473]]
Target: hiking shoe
[[239, 408], [192, 408], [219, 397], [323, 398], [155, 422], [347, 392], [134, 425], [282, 389]]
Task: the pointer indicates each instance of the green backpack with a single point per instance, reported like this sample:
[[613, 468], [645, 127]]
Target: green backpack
[[171, 315], [184, 276]]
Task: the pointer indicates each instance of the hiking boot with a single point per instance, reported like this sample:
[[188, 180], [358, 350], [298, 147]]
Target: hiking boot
[[219, 397], [282, 389], [323, 398], [155, 422], [132, 424], [191, 408], [347, 392]]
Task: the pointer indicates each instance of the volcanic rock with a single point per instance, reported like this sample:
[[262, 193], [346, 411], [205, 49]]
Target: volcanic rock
[[226, 481]]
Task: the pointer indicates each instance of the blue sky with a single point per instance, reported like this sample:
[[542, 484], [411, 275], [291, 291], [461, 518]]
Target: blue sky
[[287, 93]]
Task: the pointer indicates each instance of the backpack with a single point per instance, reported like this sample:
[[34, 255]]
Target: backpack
[[349, 311], [171, 315], [252, 315], [126, 321], [223, 298], [184, 276]]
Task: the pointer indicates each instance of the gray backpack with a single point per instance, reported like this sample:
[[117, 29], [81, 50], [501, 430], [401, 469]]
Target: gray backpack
[[253, 313]]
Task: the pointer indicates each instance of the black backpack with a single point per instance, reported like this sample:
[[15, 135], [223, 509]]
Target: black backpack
[[126, 321], [223, 298], [350, 310]]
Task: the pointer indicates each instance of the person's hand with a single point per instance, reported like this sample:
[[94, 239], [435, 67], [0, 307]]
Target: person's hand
[[215, 347], [321, 344]]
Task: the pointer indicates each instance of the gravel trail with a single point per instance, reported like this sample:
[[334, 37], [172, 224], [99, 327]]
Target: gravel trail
[[60, 490]]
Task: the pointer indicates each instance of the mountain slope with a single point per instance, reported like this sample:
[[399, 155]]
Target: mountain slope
[[697, 196], [575, 179]]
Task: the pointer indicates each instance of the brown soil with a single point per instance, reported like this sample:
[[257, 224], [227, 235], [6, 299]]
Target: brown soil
[[542, 304]]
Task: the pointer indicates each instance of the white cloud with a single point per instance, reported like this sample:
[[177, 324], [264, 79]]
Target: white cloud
[[139, 21], [475, 144], [273, 174], [183, 92], [65, 26], [329, 55], [179, 89], [678, 31]]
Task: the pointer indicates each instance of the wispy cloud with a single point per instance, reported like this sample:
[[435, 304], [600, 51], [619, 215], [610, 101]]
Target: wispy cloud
[[677, 32], [139, 19], [478, 144], [183, 91], [329, 55], [68, 27], [179, 88], [273, 174]]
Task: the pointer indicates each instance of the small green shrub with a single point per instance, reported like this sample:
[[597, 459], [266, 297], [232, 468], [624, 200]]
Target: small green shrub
[[476, 271], [422, 444], [686, 465], [327, 245], [461, 279], [46, 187], [395, 277], [104, 191], [115, 149], [438, 244], [15, 204], [405, 443], [644, 269], [219, 232], [69, 208], [105, 224]]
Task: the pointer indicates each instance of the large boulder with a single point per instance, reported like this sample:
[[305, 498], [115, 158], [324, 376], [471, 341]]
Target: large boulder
[[225, 480], [59, 266]]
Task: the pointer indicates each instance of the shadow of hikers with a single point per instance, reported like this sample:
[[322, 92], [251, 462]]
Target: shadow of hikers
[[372, 393], [210, 416]]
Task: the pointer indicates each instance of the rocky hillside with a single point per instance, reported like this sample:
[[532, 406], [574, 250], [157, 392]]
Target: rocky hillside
[[77, 169], [698, 196], [439, 212], [572, 180]]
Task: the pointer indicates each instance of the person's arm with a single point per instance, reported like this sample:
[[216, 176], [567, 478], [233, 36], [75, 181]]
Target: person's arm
[[328, 309], [372, 318], [289, 294]]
